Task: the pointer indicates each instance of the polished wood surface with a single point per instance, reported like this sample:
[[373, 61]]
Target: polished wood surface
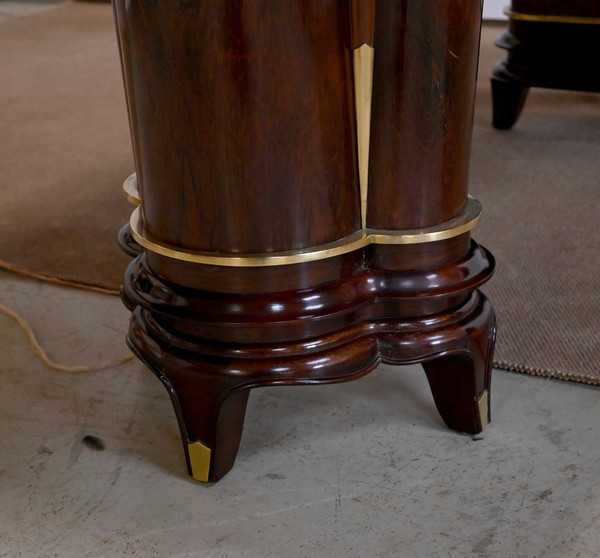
[[209, 350], [262, 117], [558, 53], [424, 86], [364, 294], [363, 22], [244, 129]]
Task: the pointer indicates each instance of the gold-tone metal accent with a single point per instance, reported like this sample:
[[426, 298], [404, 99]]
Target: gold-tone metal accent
[[484, 406], [131, 189], [547, 18], [144, 238], [363, 58], [199, 460], [455, 227], [465, 222]]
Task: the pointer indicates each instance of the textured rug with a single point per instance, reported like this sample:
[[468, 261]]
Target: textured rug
[[65, 151], [539, 184], [64, 147]]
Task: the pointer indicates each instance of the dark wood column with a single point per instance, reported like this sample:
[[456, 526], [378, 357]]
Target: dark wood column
[[303, 203], [252, 109]]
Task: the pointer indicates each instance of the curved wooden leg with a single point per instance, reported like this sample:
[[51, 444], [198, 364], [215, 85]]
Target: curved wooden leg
[[460, 379], [210, 414], [208, 398], [508, 99]]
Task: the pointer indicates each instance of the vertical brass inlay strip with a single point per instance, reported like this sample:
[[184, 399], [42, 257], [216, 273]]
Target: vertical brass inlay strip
[[363, 93]]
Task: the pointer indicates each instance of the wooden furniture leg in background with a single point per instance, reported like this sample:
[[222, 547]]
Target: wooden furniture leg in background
[[550, 45]]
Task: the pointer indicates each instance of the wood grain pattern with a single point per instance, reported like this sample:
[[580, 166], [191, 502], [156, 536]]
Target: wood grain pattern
[[363, 22], [423, 92], [243, 122]]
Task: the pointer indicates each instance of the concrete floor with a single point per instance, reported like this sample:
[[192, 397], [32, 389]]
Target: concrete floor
[[12, 8], [364, 469]]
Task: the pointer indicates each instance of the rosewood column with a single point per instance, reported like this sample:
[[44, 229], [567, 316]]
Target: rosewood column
[[301, 175], [549, 43]]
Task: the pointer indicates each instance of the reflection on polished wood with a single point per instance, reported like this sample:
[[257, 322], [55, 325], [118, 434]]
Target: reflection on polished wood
[[246, 124]]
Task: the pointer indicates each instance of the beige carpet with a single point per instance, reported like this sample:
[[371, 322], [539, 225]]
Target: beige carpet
[[64, 144], [65, 152], [539, 184]]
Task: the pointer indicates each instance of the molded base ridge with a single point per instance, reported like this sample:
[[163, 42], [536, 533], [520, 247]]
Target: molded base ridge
[[211, 349]]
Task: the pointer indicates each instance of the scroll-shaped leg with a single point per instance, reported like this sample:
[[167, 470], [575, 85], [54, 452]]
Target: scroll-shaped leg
[[460, 378], [208, 399], [508, 99], [210, 415]]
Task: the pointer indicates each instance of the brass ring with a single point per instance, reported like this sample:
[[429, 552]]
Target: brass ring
[[541, 18], [131, 189], [449, 229]]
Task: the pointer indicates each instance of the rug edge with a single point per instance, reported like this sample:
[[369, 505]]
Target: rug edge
[[57, 280], [547, 373]]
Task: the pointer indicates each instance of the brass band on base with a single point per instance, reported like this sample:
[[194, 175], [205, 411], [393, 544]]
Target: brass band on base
[[548, 18], [449, 229], [131, 189]]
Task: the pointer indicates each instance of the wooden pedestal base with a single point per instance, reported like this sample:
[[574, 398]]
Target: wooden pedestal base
[[304, 210], [210, 347]]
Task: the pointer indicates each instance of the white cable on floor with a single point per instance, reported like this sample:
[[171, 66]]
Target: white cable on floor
[[41, 354]]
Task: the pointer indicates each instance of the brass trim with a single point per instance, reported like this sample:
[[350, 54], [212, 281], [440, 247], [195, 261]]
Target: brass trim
[[547, 18], [144, 238], [363, 60], [455, 227], [199, 455], [131, 189], [465, 222], [484, 405]]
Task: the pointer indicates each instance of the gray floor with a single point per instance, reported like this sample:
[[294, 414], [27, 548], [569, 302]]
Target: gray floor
[[364, 469], [11, 8]]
